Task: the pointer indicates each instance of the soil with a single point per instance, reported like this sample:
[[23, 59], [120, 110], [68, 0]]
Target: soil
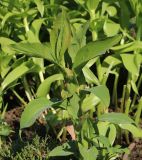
[[136, 153], [12, 117]]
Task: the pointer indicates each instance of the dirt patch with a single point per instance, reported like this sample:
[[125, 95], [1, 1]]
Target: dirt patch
[[136, 153]]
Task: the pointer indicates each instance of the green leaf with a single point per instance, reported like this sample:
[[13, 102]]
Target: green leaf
[[129, 62], [4, 44], [34, 49], [90, 76], [40, 6], [116, 118], [112, 134], [102, 93], [88, 154], [44, 87], [73, 108], [33, 33], [89, 102], [111, 11], [60, 37], [18, 72], [137, 132], [134, 87], [64, 150], [92, 5], [125, 11], [111, 28], [5, 130], [92, 50], [33, 110]]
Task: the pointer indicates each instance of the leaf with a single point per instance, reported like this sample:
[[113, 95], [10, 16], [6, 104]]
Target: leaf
[[92, 50], [33, 110], [60, 36], [112, 133], [116, 118], [5, 130], [34, 49], [33, 33], [73, 107], [107, 129], [111, 11], [89, 102], [40, 6], [79, 38], [137, 132], [130, 63], [92, 5], [64, 150], [111, 28], [90, 76], [4, 43], [18, 72], [44, 87], [134, 87], [125, 11], [88, 154], [102, 93]]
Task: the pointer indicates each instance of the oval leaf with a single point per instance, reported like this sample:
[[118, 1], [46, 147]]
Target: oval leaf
[[44, 87], [102, 93], [92, 50], [33, 110], [116, 118]]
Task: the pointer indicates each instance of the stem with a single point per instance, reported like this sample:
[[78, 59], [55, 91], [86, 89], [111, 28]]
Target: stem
[[139, 110], [64, 135], [95, 37], [127, 106], [105, 77], [41, 76], [135, 95], [0, 142], [99, 111], [128, 87], [19, 97], [99, 69], [123, 98], [27, 89], [114, 95], [127, 137], [26, 24]]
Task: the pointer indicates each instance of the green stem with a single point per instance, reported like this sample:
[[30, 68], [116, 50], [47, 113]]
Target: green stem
[[114, 95], [19, 97], [0, 143], [123, 99], [41, 76], [64, 135], [135, 95], [99, 69], [99, 111], [26, 24], [139, 110], [127, 106], [105, 77], [27, 89], [128, 87], [127, 137]]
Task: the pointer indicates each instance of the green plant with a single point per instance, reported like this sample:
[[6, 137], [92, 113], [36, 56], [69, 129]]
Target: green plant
[[73, 71]]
